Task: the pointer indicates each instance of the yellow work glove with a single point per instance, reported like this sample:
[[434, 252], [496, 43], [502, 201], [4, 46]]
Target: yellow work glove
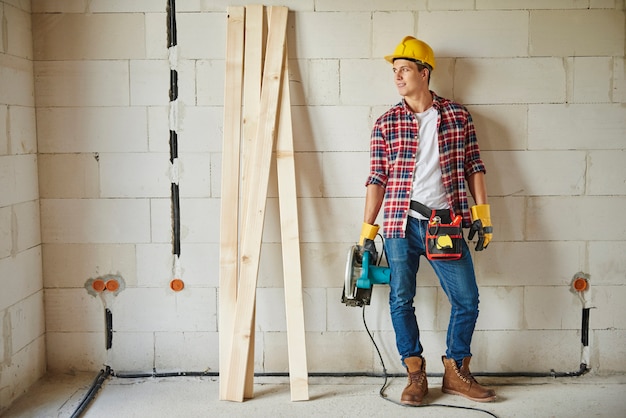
[[481, 223], [366, 241], [368, 232]]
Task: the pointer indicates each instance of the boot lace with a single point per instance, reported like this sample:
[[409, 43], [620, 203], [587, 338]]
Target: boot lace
[[464, 375], [416, 377]]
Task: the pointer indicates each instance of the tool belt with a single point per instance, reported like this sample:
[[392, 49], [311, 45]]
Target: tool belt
[[444, 233]]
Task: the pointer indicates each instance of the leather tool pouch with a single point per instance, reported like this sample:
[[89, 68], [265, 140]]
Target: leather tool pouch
[[444, 233]]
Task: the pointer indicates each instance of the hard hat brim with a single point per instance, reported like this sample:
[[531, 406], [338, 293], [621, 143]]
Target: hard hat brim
[[392, 58]]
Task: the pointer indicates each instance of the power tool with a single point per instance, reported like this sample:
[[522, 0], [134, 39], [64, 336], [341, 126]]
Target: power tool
[[362, 274], [443, 238]]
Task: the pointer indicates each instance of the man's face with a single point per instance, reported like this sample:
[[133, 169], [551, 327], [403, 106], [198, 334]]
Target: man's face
[[409, 80]]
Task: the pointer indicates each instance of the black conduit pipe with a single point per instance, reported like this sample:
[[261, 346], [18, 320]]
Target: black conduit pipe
[[175, 219], [584, 338], [172, 42], [582, 370], [91, 393], [108, 315], [163, 374], [171, 23]]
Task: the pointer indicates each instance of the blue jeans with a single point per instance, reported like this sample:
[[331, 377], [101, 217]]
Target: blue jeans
[[457, 279]]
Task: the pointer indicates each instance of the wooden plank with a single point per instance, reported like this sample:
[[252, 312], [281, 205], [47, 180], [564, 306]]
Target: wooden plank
[[252, 76], [251, 237], [290, 235], [229, 222]]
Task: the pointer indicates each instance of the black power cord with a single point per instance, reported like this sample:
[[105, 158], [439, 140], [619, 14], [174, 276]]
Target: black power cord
[[382, 394]]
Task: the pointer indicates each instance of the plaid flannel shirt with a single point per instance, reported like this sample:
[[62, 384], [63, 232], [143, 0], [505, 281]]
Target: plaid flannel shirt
[[393, 149]]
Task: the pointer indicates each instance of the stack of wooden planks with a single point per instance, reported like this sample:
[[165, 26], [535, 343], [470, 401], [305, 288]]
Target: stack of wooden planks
[[257, 126]]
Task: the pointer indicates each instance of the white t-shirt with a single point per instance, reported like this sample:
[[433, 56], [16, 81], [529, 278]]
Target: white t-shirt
[[427, 178]]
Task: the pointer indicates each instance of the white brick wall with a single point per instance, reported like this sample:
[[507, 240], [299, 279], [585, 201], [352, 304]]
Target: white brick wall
[[22, 335], [591, 80], [110, 221], [489, 34], [557, 33], [509, 80], [67, 265], [593, 220], [84, 127], [102, 36], [562, 172], [16, 80], [343, 35], [577, 126], [91, 129], [58, 176], [175, 351], [82, 83]]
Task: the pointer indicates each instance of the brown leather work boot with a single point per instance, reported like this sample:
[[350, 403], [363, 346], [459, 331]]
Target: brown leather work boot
[[417, 387], [461, 382]]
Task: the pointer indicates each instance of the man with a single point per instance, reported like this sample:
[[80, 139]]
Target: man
[[424, 149]]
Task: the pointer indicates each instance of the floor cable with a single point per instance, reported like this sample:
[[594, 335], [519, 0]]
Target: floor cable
[[91, 393], [382, 394]]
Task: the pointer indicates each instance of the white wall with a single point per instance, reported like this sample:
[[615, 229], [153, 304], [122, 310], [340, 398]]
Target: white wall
[[22, 340], [545, 82]]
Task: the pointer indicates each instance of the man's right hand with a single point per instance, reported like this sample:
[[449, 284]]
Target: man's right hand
[[370, 247], [366, 241]]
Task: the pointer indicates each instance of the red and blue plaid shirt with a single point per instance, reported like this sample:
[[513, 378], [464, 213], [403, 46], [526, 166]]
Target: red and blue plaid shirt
[[393, 149]]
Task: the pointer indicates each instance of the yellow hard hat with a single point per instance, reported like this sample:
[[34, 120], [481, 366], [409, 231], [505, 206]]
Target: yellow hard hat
[[414, 50]]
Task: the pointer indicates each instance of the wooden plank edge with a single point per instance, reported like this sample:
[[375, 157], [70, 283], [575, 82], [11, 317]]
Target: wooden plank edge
[[229, 254], [292, 270], [252, 76]]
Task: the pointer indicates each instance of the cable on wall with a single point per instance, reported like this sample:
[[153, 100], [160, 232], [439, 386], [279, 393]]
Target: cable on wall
[[172, 43]]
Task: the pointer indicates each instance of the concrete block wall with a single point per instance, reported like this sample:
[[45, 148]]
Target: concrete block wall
[[22, 334], [548, 102]]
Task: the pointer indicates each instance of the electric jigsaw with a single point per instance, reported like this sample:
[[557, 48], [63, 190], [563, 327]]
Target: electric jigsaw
[[362, 274]]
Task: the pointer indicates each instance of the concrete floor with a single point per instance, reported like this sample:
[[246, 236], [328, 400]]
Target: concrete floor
[[60, 395]]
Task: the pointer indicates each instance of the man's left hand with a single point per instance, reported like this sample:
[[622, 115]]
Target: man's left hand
[[481, 223]]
